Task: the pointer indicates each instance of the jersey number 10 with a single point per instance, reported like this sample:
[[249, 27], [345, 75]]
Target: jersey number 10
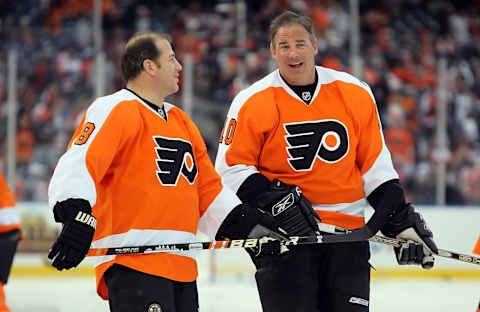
[[226, 136]]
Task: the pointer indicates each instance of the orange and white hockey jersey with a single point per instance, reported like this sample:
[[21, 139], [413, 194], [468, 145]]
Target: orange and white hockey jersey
[[476, 249], [148, 180], [9, 218], [333, 148]]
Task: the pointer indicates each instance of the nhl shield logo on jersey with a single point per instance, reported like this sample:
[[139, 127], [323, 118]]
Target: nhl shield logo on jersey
[[154, 307], [306, 96], [175, 159], [324, 139]]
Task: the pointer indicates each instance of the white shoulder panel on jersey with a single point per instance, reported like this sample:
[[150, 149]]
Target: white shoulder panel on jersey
[[327, 75], [271, 80], [71, 178]]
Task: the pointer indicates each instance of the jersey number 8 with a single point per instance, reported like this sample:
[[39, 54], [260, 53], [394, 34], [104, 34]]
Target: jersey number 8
[[85, 133]]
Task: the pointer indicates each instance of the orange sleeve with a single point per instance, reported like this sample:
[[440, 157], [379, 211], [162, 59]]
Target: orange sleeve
[[209, 185], [103, 133], [119, 127], [9, 218], [476, 249], [6, 196], [250, 135], [369, 131]]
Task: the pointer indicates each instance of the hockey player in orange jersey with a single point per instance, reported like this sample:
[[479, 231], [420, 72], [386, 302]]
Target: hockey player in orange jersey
[[136, 172], [318, 129], [9, 237]]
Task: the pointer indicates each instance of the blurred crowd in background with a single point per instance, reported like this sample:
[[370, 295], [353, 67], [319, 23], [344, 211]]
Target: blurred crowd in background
[[401, 43]]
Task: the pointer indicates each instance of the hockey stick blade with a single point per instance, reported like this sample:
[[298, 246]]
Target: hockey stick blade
[[345, 236]]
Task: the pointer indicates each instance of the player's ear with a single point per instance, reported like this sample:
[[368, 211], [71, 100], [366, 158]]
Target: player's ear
[[148, 66], [272, 48]]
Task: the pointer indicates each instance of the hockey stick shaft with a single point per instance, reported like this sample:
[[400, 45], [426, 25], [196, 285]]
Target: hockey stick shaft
[[346, 236], [441, 252], [236, 243], [343, 235], [394, 242]]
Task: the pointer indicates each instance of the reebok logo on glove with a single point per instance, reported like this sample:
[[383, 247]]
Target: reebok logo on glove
[[285, 203], [86, 219]]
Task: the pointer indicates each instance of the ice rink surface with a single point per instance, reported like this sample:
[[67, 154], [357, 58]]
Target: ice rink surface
[[77, 294]]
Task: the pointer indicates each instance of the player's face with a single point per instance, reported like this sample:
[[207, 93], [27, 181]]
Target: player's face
[[295, 53], [168, 68]]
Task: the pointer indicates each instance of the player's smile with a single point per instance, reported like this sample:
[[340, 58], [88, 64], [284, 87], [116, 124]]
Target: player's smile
[[296, 65], [294, 51]]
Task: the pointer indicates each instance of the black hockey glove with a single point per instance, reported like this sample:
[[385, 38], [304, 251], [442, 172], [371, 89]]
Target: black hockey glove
[[409, 225], [77, 233], [292, 212], [289, 208], [248, 222]]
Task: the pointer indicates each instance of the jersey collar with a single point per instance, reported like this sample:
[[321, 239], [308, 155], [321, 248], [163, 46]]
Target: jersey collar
[[159, 110]]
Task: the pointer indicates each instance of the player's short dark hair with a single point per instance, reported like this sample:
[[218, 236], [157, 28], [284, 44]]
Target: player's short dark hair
[[139, 48], [289, 18]]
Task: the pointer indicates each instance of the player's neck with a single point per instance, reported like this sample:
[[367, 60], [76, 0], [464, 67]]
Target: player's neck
[[303, 80], [146, 92]]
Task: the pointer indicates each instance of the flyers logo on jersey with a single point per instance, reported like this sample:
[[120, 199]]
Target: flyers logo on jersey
[[326, 139], [175, 158]]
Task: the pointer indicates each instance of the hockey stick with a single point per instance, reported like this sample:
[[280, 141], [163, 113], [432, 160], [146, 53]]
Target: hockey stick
[[398, 242], [343, 235], [357, 235], [441, 252]]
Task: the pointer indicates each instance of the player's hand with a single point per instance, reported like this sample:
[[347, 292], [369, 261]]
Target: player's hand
[[77, 233], [293, 212], [409, 225], [249, 222]]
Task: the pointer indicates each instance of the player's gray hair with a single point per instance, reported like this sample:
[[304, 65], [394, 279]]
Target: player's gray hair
[[289, 18]]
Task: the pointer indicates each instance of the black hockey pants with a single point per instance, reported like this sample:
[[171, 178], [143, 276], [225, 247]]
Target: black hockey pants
[[134, 291], [316, 278]]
